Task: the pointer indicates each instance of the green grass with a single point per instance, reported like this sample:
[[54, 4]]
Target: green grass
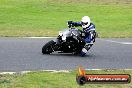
[[47, 17], [56, 80]]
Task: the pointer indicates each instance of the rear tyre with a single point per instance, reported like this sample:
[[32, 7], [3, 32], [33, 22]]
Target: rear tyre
[[48, 47]]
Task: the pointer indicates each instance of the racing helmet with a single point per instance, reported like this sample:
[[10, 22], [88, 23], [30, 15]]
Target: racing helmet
[[85, 21]]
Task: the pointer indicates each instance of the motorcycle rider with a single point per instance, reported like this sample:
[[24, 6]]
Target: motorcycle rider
[[88, 29]]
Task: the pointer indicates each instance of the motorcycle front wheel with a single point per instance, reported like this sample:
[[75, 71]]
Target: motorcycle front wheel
[[48, 47]]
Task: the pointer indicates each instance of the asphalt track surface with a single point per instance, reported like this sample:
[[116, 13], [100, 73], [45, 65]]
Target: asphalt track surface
[[24, 54]]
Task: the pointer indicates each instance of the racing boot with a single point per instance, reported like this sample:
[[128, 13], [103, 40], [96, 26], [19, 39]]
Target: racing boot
[[85, 49]]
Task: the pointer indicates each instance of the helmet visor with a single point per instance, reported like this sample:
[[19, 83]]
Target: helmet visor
[[84, 23]]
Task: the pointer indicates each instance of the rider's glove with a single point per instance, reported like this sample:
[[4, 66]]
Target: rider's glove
[[70, 24]]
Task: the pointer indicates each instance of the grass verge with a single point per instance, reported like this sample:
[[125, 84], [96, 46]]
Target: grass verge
[[56, 80], [46, 17]]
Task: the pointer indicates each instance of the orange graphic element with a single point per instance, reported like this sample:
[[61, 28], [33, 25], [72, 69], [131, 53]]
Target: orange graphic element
[[81, 71], [83, 78], [116, 76]]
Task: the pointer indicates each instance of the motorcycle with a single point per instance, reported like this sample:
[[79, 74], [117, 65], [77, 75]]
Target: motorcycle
[[68, 41]]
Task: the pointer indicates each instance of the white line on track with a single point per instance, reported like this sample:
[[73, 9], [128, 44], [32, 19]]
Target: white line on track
[[57, 71], [126, 43], [23, 72]]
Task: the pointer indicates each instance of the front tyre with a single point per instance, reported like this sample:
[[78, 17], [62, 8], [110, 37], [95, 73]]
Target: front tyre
[[48, 47]]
